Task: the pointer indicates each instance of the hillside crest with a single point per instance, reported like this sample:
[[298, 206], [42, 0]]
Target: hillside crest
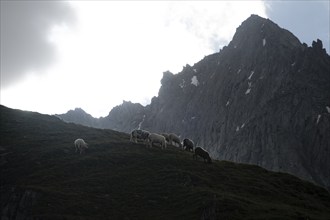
[[44, 178]]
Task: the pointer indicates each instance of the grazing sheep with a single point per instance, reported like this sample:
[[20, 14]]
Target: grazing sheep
[[174, 139], [202, 153], [80, 145], [167, 138], [188, 145], [156, 138], [139, 134]]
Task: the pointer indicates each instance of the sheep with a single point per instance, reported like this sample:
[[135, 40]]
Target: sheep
[[189, 144], [80, 145], [202, 153], [174, 139], [139, 134], [156, 138], [166, 135]]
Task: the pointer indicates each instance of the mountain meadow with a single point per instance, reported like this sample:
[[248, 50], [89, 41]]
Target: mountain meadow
[[42, 177]]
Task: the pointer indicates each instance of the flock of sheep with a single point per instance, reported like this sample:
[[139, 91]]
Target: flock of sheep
[[149, 139], [163, 139]]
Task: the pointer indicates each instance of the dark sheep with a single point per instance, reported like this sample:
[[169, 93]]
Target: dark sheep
[[188, 145], [203, 154]]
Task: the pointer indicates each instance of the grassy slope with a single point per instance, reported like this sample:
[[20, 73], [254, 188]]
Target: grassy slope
[[117, 179]]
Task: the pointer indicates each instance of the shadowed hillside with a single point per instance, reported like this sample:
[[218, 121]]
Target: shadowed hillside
[[43, 178]]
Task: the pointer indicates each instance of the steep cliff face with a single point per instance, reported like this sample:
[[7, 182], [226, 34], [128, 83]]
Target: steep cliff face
[[264, 99]]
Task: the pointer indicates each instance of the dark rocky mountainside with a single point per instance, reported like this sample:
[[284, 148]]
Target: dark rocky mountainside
[[79, 116], [123, 117], [264, 99]]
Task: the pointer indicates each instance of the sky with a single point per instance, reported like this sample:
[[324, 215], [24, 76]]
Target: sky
[[60, 55]]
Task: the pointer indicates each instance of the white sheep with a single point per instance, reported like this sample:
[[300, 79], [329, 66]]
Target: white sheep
[[156, 138], [80, 145], [167, 136], [139, 134], [174, 140]]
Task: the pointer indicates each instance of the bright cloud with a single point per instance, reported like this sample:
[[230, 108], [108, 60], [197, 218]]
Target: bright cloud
[[119, 50]]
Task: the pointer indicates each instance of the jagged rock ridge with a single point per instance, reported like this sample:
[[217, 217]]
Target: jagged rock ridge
[[123, 117], [79, 116], [264, 99]]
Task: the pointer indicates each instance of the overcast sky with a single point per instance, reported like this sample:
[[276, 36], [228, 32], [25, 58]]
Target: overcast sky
[[58, 55]]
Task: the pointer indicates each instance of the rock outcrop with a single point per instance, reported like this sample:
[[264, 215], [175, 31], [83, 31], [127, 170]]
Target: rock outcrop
[[79, 116], [123, 117]]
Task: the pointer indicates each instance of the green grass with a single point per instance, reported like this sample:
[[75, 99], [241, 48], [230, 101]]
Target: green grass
[[116, 179]]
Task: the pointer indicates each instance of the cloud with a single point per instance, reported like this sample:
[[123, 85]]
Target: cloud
[[25, 27], [119, 50], [308, 20], [213, 22]]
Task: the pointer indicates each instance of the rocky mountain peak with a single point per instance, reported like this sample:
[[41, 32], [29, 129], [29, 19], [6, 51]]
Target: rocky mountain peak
[[256, 101], [126, 107], [124, 117], [78, 110], [79, 116], [263, 99], [257, 32], [76, 113]]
